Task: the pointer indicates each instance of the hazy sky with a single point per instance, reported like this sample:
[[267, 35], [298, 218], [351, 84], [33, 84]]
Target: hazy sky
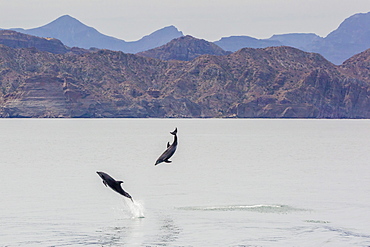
[[207, 19]]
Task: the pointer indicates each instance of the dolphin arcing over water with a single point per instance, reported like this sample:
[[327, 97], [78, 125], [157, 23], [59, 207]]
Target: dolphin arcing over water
[[113, 184], [169, 151]]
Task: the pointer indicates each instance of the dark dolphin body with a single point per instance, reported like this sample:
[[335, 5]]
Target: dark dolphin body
[[169, 151], [113, 184]]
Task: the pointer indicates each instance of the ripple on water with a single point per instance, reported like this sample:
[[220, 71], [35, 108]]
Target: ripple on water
[[261, 208]]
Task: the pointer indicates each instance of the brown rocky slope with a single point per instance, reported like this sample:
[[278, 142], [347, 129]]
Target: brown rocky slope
[[268, 83], [185, 48], [19, 40]]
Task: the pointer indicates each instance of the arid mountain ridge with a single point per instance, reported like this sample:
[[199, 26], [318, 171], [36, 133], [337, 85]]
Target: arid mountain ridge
[[350, 38], [274, 82]]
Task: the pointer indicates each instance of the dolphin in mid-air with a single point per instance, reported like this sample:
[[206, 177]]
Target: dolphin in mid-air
[[169, 151], [113, 184]]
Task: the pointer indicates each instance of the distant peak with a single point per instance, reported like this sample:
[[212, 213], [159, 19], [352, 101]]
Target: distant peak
[[66, 19], [171, 27], [169, 30], [66, 16], [64, 22]]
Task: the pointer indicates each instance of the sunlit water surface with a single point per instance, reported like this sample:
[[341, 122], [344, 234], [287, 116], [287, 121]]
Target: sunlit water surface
[[231, 183]]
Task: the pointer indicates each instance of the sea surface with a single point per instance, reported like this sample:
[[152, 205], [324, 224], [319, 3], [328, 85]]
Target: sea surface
[[231, 182]]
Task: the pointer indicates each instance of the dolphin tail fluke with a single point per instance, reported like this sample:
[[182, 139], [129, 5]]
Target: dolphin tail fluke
[[174, 132]]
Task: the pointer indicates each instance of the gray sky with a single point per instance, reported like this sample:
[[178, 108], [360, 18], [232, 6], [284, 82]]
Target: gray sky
[[210, 20]]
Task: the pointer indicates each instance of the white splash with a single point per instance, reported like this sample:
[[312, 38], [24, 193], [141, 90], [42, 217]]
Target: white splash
[[135, 208]]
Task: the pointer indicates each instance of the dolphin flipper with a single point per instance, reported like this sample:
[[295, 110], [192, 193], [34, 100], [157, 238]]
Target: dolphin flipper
[[105, 183], [167, 161], [168, 144]]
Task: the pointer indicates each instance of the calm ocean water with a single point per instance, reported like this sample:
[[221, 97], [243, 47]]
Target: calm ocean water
[[231, 183]]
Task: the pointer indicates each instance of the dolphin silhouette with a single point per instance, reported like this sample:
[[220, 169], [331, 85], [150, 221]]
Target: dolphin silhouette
[[113, 184], [169, 151]]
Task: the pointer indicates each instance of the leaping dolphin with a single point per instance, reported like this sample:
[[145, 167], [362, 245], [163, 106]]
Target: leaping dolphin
[[113, 184], [169, 151]]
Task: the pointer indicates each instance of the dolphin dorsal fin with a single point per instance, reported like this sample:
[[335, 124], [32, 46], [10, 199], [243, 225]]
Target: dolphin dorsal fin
[[168, 144]]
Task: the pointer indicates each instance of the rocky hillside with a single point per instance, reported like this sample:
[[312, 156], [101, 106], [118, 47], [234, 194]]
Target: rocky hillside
[[266, 83], [185, 48], [358, 66], [19, 40]]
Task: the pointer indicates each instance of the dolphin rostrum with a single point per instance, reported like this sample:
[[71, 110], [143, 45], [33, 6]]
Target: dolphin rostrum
[[113, 184], [169, 151]]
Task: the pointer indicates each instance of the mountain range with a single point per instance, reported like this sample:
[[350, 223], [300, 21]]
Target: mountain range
[[273, 82], [350, 38], [73, 33], [186, 77]]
